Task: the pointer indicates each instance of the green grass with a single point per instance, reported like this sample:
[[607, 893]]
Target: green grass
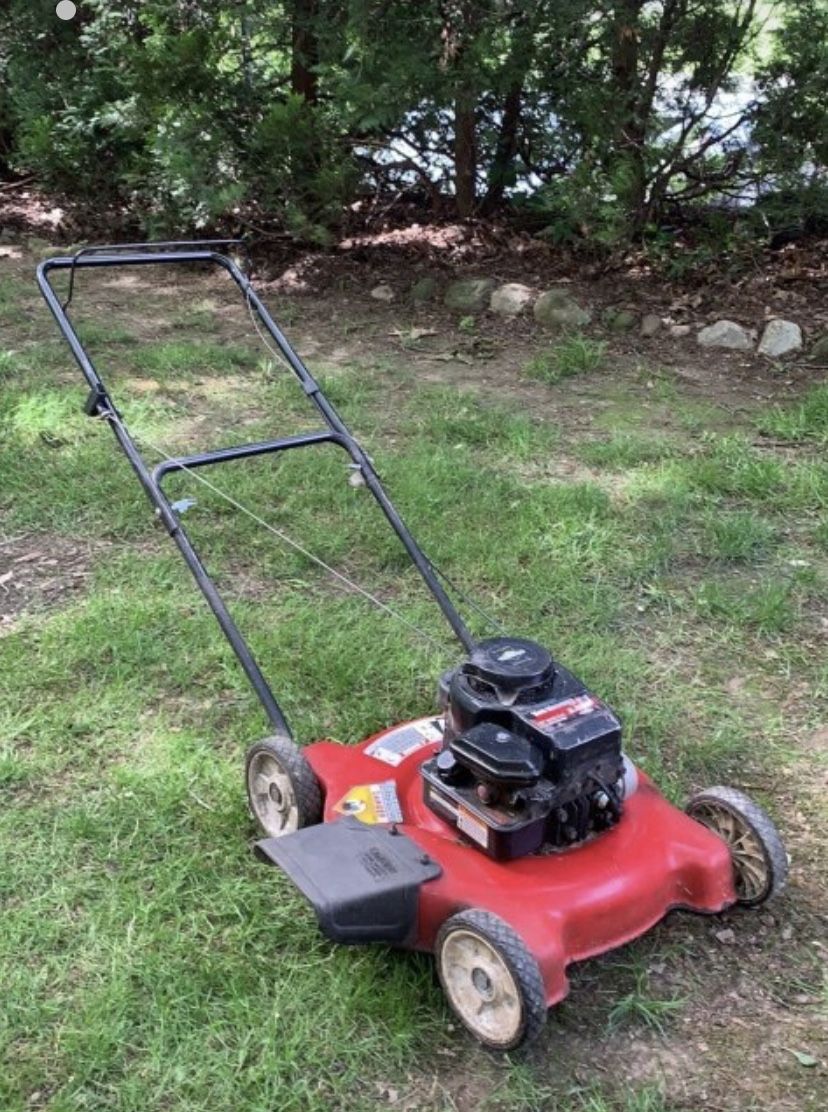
[[738, 535], [10, 364], [626, 450], [94, 332], [649, 1099], [574, 355], [641, 1007], [146, 960], [806, 421], [193, 357], [767, 607], [457, 419]]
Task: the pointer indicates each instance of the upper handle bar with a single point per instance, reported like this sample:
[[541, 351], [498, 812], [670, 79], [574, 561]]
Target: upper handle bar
[[100, 403], [175, 246]]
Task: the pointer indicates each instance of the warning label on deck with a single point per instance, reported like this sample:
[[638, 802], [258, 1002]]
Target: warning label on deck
[[392, 748], [372, 803]]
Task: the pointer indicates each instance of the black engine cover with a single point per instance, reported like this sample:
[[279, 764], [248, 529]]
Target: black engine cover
[[530, 757]]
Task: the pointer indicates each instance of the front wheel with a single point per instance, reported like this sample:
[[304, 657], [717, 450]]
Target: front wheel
[[760, 863], [282, 789], [491, 981]]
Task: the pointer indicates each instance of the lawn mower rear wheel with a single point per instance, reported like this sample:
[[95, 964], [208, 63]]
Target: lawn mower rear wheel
[[760, 863], [491, 981], [282, 789]]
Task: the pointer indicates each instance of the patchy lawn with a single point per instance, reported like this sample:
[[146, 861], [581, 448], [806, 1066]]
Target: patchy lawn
[[663, 526]]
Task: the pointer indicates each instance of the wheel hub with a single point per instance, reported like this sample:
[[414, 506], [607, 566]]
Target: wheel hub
[[483, 983], [272, 797], [750, 865], [481, 987]]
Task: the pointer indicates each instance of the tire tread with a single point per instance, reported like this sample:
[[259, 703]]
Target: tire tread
[[302, 777], [517, 957], [762, 825]]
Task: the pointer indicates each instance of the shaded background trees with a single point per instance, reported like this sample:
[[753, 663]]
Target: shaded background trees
[[587, 118]]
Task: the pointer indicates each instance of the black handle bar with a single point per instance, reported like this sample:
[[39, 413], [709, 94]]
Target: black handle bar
[[100, 404]]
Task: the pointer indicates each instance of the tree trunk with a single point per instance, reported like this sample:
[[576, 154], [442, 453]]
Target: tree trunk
[[305, 50], [465, 150], [6, 148], [506, 147], [631, 129]]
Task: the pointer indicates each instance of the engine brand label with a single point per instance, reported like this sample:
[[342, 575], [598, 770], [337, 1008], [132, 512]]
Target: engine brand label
[[372, 803], [568, 708], [393, 748]]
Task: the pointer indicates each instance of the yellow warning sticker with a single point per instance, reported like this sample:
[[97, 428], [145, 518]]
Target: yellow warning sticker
[[372, 803]]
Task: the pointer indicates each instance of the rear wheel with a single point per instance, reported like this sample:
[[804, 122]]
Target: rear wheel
[[491, 981], [760, 863], [282, 789]]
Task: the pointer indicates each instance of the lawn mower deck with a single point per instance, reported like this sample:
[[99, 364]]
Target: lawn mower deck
[[509, 834], [566, 905]]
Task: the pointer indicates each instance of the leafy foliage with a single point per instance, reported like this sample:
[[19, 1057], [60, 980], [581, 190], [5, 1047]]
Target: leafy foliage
[[594, 118]]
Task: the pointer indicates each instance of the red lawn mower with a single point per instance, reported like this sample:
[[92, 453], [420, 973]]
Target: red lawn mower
[[507, 832]]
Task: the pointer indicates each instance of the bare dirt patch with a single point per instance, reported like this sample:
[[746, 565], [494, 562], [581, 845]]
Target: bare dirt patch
[[40, 571]]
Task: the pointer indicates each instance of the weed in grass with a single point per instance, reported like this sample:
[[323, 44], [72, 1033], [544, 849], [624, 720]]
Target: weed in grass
[[201, 318], [821, 534], [697, 417], [769, 608], [12, 291], [50, 417], [10, 364], [191, 357], [467, 324], [14, 770], [648, 1099], [739, 535], [626, 450], [806, 421], [662, 384], [459, 418], [731, 466], [641, 1006], [575, 355], [95, 333], [520, 1090]]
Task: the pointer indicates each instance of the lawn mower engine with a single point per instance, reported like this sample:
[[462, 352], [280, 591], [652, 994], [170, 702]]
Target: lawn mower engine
[[531, 761]]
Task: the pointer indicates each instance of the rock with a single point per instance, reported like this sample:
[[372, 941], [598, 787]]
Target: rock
[[679, 330], [819, 352], [424, 290], [726, 334], [510, 300], [468, 295], [651, 325], [382, 293], [620, 320], [727, 937], [558, 309], [780, 338]]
